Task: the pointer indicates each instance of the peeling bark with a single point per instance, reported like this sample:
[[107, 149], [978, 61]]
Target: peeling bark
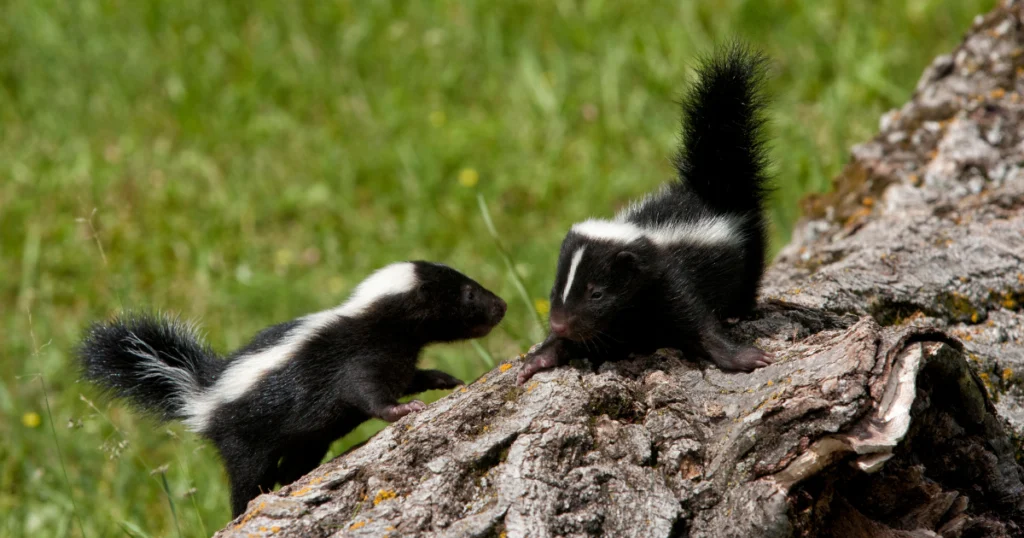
[[896, 313]]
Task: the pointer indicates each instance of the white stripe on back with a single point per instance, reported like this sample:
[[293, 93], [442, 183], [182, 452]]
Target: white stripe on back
[[576, 257], [246, 371]]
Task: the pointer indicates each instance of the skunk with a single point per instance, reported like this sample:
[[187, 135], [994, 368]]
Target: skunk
[[667, 269], [273, 407]]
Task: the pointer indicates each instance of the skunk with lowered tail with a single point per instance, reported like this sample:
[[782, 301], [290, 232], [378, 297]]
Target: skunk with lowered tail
[[274, 407], [667, 270]]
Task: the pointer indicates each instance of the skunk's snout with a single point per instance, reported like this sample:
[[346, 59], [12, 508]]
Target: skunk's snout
[[559, 324], [498, 308]]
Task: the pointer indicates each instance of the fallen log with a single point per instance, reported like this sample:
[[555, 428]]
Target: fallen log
[[894, 409]]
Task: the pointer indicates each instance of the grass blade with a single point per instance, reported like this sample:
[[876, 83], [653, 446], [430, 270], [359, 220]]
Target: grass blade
[[517, 279], [60, 456], [170, 500], [132, 530], [195, 506], [484, 354]]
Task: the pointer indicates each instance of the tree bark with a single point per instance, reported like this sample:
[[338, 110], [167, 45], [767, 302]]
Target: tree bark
[[894, 409]]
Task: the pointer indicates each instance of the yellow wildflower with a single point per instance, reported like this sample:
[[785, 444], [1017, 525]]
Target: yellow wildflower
[[468, 177], [543, 306], [31, 420]]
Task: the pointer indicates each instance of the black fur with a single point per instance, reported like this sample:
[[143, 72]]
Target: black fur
[[351, 370], [637, 296]]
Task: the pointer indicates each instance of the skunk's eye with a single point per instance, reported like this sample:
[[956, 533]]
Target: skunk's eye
[[596, 295]]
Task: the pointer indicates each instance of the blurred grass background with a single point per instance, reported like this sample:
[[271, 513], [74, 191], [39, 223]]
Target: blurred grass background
[[245, 163]]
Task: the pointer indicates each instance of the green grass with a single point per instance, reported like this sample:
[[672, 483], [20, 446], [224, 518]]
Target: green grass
[[244, 163]]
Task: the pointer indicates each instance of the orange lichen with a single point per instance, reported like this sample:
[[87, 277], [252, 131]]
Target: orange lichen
[[357, 525], [251, 515], [505, 367], [383, 495], [1007, 374], [301, 492], [997, 93], [857, 216]]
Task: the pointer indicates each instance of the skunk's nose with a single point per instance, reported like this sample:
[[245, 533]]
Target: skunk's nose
[[499, 308], [559, 323]]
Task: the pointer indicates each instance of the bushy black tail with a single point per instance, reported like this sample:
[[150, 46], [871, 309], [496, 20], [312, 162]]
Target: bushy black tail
[[156, 363], [723, 158]]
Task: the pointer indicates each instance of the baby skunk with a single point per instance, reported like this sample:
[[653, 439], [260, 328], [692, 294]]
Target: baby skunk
[[665, 271], [273, 407]]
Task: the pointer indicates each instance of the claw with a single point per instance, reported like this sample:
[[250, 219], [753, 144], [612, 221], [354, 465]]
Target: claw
[[395, 412], [539, 363], [746, 359], [442, 381]]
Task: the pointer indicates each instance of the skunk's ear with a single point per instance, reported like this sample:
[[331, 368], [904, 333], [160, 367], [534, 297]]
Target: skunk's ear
[[629, 263], [627, 259]]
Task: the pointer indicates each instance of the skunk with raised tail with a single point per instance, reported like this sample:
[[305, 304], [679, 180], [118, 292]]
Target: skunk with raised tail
[[667, 270], [274, 407]]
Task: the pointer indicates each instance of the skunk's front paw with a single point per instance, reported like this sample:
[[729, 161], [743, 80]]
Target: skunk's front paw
[[438, 380], [540, 362], [744, 359], [395, 412]]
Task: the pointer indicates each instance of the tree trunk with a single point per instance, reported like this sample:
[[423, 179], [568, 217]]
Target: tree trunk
[[894, 409]]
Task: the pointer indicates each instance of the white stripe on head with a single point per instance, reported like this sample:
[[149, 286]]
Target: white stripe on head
[[392, 279], [714, 230], [246, 371], [576, 257], [607, 230]]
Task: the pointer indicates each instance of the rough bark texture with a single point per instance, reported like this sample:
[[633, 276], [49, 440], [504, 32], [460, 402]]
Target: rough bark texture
[[894, 410]]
